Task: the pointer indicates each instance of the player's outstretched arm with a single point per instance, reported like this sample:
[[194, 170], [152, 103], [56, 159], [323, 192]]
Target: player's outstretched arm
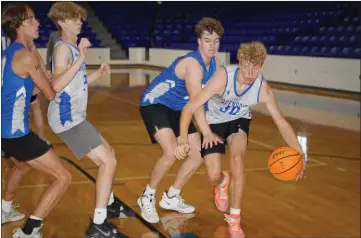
[[193, 78], [194, 75], [214, 86], [288, 134], [283, 126]]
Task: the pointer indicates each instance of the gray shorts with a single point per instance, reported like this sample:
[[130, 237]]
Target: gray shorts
[[82, 138]]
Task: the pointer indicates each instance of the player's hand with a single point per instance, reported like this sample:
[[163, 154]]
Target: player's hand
[[301, 175], [211, 139], [181, 151], [104, 69], [83, 47]]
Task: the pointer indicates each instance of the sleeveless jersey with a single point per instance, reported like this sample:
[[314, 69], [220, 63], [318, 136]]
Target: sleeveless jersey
[[169, 90], [68, 109], [232, 104], [15, 97]]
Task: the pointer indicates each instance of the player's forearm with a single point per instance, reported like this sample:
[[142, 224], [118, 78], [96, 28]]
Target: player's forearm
[[185, 121], [289, 135], [200, 116], [93, 76], [61, 81]]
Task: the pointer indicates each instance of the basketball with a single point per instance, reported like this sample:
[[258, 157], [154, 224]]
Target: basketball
[[285, 163]]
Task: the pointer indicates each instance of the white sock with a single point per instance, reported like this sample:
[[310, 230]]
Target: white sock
[[224, 181], [235, 211], [111, 198], [35, 218], [173, 191], [6, 205], [149, 190], [99, 215]]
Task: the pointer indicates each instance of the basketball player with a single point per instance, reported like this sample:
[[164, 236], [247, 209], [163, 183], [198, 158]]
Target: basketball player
[[10, 213], [67, 113], [230, 94], [160, 107], [21, 68]]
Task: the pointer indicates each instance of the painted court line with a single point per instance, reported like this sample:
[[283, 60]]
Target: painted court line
[[147, 177]]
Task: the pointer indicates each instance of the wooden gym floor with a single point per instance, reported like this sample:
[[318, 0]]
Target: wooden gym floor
[[324, 204]]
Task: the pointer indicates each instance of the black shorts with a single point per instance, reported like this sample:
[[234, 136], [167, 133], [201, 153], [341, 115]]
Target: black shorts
[[160, 116], [25, 148], [224, 130], [33, 98]]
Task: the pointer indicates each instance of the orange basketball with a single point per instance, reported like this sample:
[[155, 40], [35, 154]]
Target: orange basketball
[[285, 163]]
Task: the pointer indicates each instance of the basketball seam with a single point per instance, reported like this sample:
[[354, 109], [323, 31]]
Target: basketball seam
[[289, 168], [282, 158]]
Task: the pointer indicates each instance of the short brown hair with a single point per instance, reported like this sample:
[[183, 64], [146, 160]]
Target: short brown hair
[[13, 17], [62, 11], [209, 24], [254, 52]]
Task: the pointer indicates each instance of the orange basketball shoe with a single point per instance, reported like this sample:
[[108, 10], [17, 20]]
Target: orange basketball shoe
[[221, 194], [234, 226]]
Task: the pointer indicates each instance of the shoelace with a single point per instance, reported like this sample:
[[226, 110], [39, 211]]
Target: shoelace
[[234, 223], [181, 201], [14, 206], [222, 193]]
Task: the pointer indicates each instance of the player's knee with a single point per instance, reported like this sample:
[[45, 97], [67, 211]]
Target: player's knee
[[215, 177], [112, 151], [65, 178], [109, 160], [169, 154], [237, 160]]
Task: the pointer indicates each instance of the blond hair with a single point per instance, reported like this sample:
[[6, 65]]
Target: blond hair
[[209, 24], [62, 11], [254, 52]]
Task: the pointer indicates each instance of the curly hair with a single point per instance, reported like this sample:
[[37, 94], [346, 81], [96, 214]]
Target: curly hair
[[62, 11], [209, 24], [254, 52], [13, 17]]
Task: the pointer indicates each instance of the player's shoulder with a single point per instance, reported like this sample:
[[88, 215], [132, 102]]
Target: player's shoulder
[[192, 64], [61, 47], [25, 56]]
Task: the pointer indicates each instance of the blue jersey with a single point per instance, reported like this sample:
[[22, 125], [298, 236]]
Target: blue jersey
[[169, 90], [15, 97]]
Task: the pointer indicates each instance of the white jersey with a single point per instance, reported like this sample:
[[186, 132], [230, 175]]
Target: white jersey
[[68, 109], [233, 105]]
